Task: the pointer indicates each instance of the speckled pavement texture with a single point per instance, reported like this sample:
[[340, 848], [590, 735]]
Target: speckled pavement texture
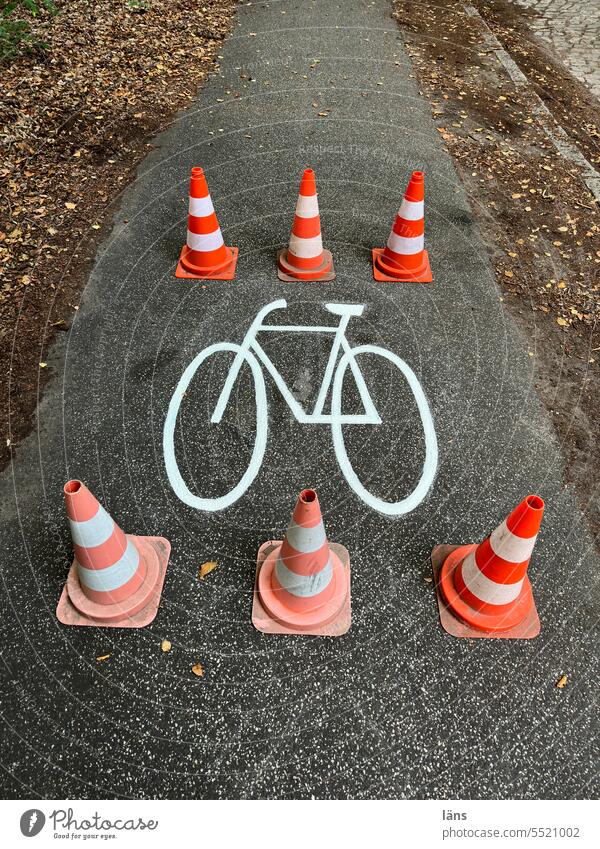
[[396, 707], [573, 30]]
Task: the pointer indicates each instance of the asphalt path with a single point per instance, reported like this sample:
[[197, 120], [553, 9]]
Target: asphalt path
[[396, 707]]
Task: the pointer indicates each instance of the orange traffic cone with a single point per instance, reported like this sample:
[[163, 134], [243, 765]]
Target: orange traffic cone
[[305, 258], [483, 590], [404, 257], [115, 580], [303, 583], [204, 256]]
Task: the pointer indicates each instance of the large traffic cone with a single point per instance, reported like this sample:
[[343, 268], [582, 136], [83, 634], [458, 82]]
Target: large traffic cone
[[305, 258], [483, 590], [204, 256], [404, 258], [116, 580], [303, 583]]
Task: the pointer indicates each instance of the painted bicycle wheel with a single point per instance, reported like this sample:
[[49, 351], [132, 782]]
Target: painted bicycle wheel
[[404, 505], [174, 475]]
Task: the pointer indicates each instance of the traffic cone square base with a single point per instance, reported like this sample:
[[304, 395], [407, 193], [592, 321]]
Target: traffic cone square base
[[137, 611], [423, 275], [444, 559], [227, 273], [323, 273], [338, 610]]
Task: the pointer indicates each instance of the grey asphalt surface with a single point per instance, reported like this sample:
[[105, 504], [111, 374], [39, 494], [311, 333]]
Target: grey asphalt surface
[[396, 708]]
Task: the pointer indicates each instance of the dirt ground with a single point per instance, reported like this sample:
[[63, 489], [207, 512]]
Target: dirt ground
[[75, 121], [539, 221]]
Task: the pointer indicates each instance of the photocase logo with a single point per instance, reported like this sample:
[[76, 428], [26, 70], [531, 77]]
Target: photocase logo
[[32, 822]]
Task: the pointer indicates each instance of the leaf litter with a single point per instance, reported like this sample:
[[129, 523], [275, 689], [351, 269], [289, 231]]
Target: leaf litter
[[75, 121], [539, 220]]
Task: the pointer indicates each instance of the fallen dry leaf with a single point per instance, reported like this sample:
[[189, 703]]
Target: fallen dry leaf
[[102, 657], [43, 365], [562, 682], [206, 568], [198, 670], [165, 645], [496, 163], [55, 144]]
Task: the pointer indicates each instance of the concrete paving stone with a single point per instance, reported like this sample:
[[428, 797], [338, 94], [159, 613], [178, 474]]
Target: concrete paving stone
[[573, 30]]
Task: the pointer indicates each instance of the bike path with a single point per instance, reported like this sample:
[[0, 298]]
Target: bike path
[[396, 707]]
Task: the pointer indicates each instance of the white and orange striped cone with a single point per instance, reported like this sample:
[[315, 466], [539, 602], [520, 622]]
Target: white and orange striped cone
[[483, 590], [205, 255], [303, 583], [404, 258], [116, 580], [305, 258]]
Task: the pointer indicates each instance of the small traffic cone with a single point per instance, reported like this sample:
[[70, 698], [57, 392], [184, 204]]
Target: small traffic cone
[[204, 256], [116, 580], [483, 590], [305, 258], [404, 257], [303, 583]]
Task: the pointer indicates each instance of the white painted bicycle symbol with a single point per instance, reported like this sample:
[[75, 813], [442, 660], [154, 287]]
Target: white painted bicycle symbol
[[251, 352]]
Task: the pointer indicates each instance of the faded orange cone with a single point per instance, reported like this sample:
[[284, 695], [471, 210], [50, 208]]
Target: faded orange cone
[[483, 590], [303, 583], [205, 255], [305, 258], [404, 258], [116, 580]]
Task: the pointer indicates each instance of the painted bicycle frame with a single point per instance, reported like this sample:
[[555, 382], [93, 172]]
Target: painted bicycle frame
[[251, 352]]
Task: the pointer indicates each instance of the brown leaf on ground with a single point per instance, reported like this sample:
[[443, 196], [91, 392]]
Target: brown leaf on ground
[[75, 121], [102, 657], [165, 645], [207, 568], [198, 670], [524, 195], [562, 682]]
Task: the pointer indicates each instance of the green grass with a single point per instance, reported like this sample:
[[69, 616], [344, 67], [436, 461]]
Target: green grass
[[15, 26], [138, 5]]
